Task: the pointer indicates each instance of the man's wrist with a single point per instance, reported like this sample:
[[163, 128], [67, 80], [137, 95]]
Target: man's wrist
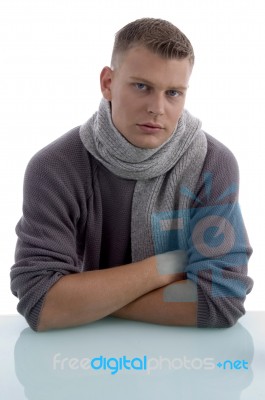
[[172, 262], [170, 266]]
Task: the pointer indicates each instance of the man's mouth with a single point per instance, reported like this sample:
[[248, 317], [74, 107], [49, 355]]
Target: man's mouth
[[150, 127]]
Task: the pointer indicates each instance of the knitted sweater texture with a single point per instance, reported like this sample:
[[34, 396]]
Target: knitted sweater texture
[[77, 217]]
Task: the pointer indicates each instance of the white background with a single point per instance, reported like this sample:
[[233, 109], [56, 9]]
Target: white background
[[52, 52]]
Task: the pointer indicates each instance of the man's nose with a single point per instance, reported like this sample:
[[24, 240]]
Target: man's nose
[[156, 104]]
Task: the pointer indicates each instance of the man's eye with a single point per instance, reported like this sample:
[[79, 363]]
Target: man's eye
[[140, 86], [173, 93]]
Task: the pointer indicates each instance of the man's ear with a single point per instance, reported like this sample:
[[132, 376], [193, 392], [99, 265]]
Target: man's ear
[[105, 82]]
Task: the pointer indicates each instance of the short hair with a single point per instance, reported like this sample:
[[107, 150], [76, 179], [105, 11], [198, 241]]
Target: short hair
[[157, 35]]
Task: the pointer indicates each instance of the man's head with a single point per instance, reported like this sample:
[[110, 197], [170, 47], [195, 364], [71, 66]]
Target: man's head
[[157, 35], [150, 69]]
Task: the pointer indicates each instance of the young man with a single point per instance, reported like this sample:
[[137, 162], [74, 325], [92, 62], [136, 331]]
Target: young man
[[135, 213]]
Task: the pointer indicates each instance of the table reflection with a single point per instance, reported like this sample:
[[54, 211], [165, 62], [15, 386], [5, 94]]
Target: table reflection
[[176, 361]]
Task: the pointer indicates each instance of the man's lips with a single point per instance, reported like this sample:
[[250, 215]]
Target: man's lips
[[149, 127]]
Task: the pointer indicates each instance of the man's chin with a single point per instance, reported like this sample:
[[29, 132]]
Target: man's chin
[[147, 146], [146, 143]]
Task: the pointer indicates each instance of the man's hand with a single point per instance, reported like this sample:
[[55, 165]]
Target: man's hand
[[84, 297]]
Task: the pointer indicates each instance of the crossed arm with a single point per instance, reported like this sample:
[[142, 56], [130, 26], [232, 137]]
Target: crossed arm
[[134, 291], [47, 250]]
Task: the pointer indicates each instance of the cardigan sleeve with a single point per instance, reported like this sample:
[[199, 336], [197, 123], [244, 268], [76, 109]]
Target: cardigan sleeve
[[218, 245], [54, 199]]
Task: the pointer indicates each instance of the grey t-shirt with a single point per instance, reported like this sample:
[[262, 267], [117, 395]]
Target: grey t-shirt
[[77, 217]]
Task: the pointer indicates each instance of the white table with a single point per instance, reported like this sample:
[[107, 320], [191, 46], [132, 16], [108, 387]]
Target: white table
[[160, 362]]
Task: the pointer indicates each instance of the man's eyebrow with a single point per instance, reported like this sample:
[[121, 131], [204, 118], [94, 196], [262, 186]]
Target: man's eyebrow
[[142, 80]]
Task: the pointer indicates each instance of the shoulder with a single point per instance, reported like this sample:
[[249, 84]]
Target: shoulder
[[67, 147], [65, 160], [220, 173], [219, 158]]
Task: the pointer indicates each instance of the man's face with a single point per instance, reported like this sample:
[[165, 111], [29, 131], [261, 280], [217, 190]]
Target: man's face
[[147, 94]]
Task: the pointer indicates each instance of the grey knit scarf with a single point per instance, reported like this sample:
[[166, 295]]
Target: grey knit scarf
[[159, 172]]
